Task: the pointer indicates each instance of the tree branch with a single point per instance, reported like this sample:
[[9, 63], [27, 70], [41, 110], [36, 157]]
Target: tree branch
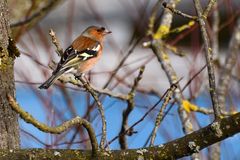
[[208, 8], [209, 59], [100, 108], [187, 145], [55, 41], [175, 11], [160, 114], [230, 61], [126, 113], [58, 129]]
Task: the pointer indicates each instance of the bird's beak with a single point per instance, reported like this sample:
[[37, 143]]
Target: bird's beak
[[107, 32]]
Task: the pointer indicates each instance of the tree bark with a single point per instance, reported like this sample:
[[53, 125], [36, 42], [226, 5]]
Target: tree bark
[[9, 128]]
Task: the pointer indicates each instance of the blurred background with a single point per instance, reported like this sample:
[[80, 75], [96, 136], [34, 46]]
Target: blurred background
[[128, 20]]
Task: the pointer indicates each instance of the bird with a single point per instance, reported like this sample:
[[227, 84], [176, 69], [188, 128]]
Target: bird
[[81, 55]]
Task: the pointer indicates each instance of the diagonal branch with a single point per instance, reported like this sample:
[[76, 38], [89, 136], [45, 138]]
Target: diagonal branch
[[161, 113], [230, 61], [100, 108], [172, 77], [73, 81], [209, 59], [56, 42], [126, 113], [209, 8], [144, 116], [163, 58], [175, 11]]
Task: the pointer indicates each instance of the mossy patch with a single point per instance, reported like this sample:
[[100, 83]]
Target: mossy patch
[[5, 59], [12, 48]]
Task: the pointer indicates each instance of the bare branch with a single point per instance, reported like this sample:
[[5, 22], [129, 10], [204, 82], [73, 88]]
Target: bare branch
[[210, 111], [175, 149], [110, 93], [209, 8], [100, 108], [162, 56], [121, 63], [172, 76], [160, 114], [215, 29], [209, 60], [126, 113], [175, 11], [152, 18], [214, 150], [230, 61], [73, 81], [144, 116], [58, 129], [55, 41]]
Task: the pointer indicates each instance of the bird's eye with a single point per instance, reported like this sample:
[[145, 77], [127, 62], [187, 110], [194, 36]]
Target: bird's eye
[[101, 29]]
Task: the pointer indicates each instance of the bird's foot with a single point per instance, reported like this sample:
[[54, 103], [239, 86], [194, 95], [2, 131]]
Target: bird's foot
[[82, 78], [78, 76]]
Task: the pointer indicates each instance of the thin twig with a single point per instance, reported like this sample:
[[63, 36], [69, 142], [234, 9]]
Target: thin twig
[[209, 8], [110, 93], [215, 30], [193, 77], [121, 63], [163, 58], [160, 114], [227, 69], [152, 18], [70, 79], [175, 11], [58, 129], [55, 41], [142, 118], [211, 111], [130, 107], [209, 59], [100, 108]]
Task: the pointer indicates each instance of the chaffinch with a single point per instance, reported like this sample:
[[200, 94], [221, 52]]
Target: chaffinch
[[81, 55]]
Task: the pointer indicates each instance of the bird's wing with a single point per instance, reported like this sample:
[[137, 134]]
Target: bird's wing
[[75, 54]]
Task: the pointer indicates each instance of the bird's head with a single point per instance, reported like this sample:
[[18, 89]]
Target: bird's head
[[96, 33]]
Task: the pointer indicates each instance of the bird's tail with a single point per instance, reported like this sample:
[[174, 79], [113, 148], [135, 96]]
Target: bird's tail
[[51, 80]]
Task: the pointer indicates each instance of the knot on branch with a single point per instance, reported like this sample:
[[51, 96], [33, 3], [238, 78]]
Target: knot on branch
[[215, 126], [141, 151], [130, 132], [195, 148], [12, 48]]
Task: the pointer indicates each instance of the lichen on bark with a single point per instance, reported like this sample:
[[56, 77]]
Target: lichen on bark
[[9, 127]]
